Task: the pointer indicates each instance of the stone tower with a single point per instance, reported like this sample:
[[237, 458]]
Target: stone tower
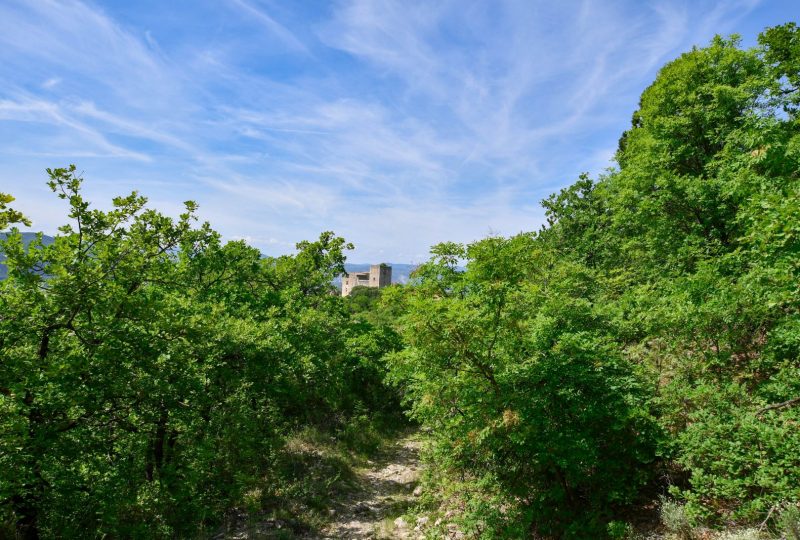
[[379, 275]]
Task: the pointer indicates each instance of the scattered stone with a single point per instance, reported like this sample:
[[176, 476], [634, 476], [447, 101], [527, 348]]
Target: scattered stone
[[422, 521], [437, 522], [417, 491], [453, 532], [362, 508], [383, 487]]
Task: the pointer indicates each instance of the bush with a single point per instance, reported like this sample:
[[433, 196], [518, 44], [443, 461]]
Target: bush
[[151, 373], [741, 463], [675, 519], [521, 383], [789, 522], [619, 530]]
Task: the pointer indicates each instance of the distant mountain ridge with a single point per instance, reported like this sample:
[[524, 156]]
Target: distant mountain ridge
[[401, 272], [27, 238]]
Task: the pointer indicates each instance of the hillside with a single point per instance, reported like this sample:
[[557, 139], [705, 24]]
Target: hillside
[[27, 237], [401, 272]]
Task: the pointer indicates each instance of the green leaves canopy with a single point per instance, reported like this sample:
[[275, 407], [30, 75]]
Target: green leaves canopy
[[651, 327], [149, 372]]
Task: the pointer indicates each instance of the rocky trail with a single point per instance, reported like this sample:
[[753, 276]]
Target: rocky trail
[[383, 491], [386, 489]]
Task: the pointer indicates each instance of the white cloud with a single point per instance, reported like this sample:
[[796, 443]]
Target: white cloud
[[52, 82], [396, 124], [272, 26], [89, 139]]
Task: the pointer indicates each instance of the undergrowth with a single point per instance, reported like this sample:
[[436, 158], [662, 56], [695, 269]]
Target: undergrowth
[[315, 467]]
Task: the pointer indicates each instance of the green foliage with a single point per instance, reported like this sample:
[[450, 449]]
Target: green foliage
[[151, 373], [363, 299], [8, 215], [619, 530], [696, 236], [742, 463], [517, 375], [675, 520], [789, 522], [652, 327]]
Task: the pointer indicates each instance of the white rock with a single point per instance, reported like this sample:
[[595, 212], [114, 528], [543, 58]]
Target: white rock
[[422, 521], [453, 532], [400, 523], [417, 491]]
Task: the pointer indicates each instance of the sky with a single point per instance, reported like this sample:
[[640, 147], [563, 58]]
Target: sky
[[397, 125]]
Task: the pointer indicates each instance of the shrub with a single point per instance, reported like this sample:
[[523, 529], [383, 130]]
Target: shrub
[[619, 530], [789, 522], [675, 519]]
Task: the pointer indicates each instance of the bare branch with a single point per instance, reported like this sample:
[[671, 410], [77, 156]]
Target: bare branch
[[781, 405]]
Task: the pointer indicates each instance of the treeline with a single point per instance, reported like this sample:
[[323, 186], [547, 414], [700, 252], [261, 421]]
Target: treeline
[[150, 374], [647, 340]]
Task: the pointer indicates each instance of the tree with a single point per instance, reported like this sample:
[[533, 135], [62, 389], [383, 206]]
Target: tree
[[521, 382], [660, 298], [151, 373], [8, 215]]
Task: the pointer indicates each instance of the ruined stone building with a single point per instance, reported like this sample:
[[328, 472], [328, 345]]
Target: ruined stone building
[[379, 275]]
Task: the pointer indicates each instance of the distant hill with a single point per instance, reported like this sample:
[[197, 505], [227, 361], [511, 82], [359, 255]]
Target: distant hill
[[400, 272], [27, 237]]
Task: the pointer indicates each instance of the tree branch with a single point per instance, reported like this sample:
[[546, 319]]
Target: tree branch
[[781, 405]]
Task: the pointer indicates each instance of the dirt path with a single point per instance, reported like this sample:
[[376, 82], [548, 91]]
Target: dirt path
[[387, 490]]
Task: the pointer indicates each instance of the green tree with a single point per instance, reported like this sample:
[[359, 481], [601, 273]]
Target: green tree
[[664, 291], [697, 240], [151, 373], [8, 215], [522, 384]]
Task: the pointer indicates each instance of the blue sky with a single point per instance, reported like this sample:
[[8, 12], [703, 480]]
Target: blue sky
[[395, 124]]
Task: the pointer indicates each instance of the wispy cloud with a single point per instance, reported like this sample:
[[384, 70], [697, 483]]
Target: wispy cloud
[[89, 139], [396, 124], [51, 82], [271, 25]]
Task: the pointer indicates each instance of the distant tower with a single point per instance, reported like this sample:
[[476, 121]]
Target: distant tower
[[379, 275]]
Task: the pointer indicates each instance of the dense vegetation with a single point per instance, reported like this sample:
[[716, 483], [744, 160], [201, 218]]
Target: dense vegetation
[[650, 333], [149, 372], [645, 341]]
